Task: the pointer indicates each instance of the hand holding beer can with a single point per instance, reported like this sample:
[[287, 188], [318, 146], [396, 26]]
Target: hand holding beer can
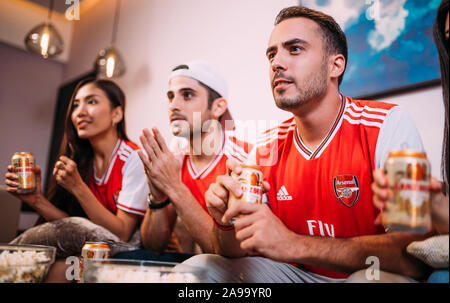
[[408, 209], [24, 164], [251, 180]]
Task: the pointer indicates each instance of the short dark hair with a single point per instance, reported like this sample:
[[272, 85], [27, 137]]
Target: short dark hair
[[334, 38], [212, 94]]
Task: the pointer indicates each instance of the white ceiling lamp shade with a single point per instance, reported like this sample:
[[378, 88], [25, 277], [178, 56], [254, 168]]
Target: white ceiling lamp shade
[[44, 39], [109, 62]]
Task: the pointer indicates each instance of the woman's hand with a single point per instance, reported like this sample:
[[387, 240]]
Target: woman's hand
[[439, 207], [439, 202], [12, 185], [66, 174]]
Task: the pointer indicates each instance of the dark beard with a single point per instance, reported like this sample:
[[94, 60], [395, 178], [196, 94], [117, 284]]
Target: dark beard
[[314, 88]]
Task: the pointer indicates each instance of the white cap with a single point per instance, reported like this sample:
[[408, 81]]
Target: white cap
[[205, 73]]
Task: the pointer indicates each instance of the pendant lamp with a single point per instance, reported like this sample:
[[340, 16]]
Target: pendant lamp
[[44, 39], [109, 62]]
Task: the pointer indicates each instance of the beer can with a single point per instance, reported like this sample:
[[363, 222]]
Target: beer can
[[23, 164], [408, 209], [251, 185], [93, 250]]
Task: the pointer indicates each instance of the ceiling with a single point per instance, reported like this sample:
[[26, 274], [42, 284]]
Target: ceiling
[[59, 6]]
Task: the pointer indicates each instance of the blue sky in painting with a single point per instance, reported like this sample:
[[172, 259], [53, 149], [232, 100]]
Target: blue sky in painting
[[393, 50]]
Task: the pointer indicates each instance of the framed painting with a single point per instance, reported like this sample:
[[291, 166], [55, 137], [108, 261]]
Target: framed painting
[[391, 46]]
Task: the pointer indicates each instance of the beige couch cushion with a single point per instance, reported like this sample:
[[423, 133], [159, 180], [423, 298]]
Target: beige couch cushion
[[9, 215]]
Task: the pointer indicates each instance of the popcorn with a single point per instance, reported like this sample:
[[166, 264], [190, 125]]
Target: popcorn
[[23, 266], [128, 274]]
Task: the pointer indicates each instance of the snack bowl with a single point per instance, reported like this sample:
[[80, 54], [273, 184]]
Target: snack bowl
[[137, 271], [25, 263]]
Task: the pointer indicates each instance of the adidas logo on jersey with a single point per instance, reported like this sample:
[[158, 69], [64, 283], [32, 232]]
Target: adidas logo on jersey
[[283, 195]]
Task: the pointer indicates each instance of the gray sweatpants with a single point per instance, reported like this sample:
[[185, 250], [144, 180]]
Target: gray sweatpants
[[253, 270]]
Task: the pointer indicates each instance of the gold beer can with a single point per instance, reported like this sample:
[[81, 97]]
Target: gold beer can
[[408, 209], [251, 184], [24, 164], [93, 250]]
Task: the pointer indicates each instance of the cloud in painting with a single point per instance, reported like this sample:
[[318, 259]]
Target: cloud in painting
[[349, 10], [389, 25]]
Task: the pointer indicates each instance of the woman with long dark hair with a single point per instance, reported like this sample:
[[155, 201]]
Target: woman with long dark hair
[[439, 190], [98, 175], [441, 35]]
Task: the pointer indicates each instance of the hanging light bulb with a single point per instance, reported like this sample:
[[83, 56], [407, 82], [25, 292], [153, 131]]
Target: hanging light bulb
[[109, 62], [44, 39]]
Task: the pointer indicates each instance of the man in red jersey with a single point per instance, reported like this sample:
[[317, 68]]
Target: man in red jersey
[[318, 225], [197, 111]]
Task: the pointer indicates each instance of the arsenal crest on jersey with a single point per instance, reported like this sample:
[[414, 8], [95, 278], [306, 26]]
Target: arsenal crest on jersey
[[346, 188]]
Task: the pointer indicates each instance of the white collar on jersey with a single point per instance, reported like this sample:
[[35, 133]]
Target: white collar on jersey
[[313, 154]]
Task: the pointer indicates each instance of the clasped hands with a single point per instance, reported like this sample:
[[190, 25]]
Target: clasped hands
[[162, 168]]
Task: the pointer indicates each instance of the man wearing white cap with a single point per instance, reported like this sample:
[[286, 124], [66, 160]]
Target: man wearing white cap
[[198, 112]]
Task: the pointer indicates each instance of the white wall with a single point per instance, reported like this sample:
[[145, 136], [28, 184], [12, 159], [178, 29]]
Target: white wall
[[28, 94], [155, 36], [427, 110]]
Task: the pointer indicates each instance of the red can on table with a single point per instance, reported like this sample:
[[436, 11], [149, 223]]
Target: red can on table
[[93, 250]]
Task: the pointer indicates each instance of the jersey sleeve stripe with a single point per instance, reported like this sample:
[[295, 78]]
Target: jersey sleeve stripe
[[361, 121], [131, 210], [363, 117], [281, 126], [277, 130], [236, 148], [268, 142], [277, 135], [365, 114], [235, 155], [369, 109]]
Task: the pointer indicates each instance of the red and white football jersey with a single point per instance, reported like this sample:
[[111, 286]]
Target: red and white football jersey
[[198, 182], [327, 191], [124, 184]]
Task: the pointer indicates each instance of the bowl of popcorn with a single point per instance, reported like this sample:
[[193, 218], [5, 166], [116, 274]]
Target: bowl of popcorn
[[136, 271], [25, 263]]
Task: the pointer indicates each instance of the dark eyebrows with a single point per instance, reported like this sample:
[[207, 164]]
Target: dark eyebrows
[[182, 90], [186, 89], [295, 41], [287, 44], [270, 49], [87, 97]]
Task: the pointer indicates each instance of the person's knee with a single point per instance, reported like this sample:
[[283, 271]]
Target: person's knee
[[359, 277], [203, 260], [377, 276]]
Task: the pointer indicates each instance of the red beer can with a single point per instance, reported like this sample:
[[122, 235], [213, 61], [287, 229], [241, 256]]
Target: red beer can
[[23, 164], [408, 173], [93, 250], [251, 185]]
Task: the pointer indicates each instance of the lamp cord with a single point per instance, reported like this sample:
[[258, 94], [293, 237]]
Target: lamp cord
[[116, 22], [50, 10]]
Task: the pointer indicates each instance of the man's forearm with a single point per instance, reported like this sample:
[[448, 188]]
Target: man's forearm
[[156, 228], [225, 243], [349, 255], [196, 220]]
